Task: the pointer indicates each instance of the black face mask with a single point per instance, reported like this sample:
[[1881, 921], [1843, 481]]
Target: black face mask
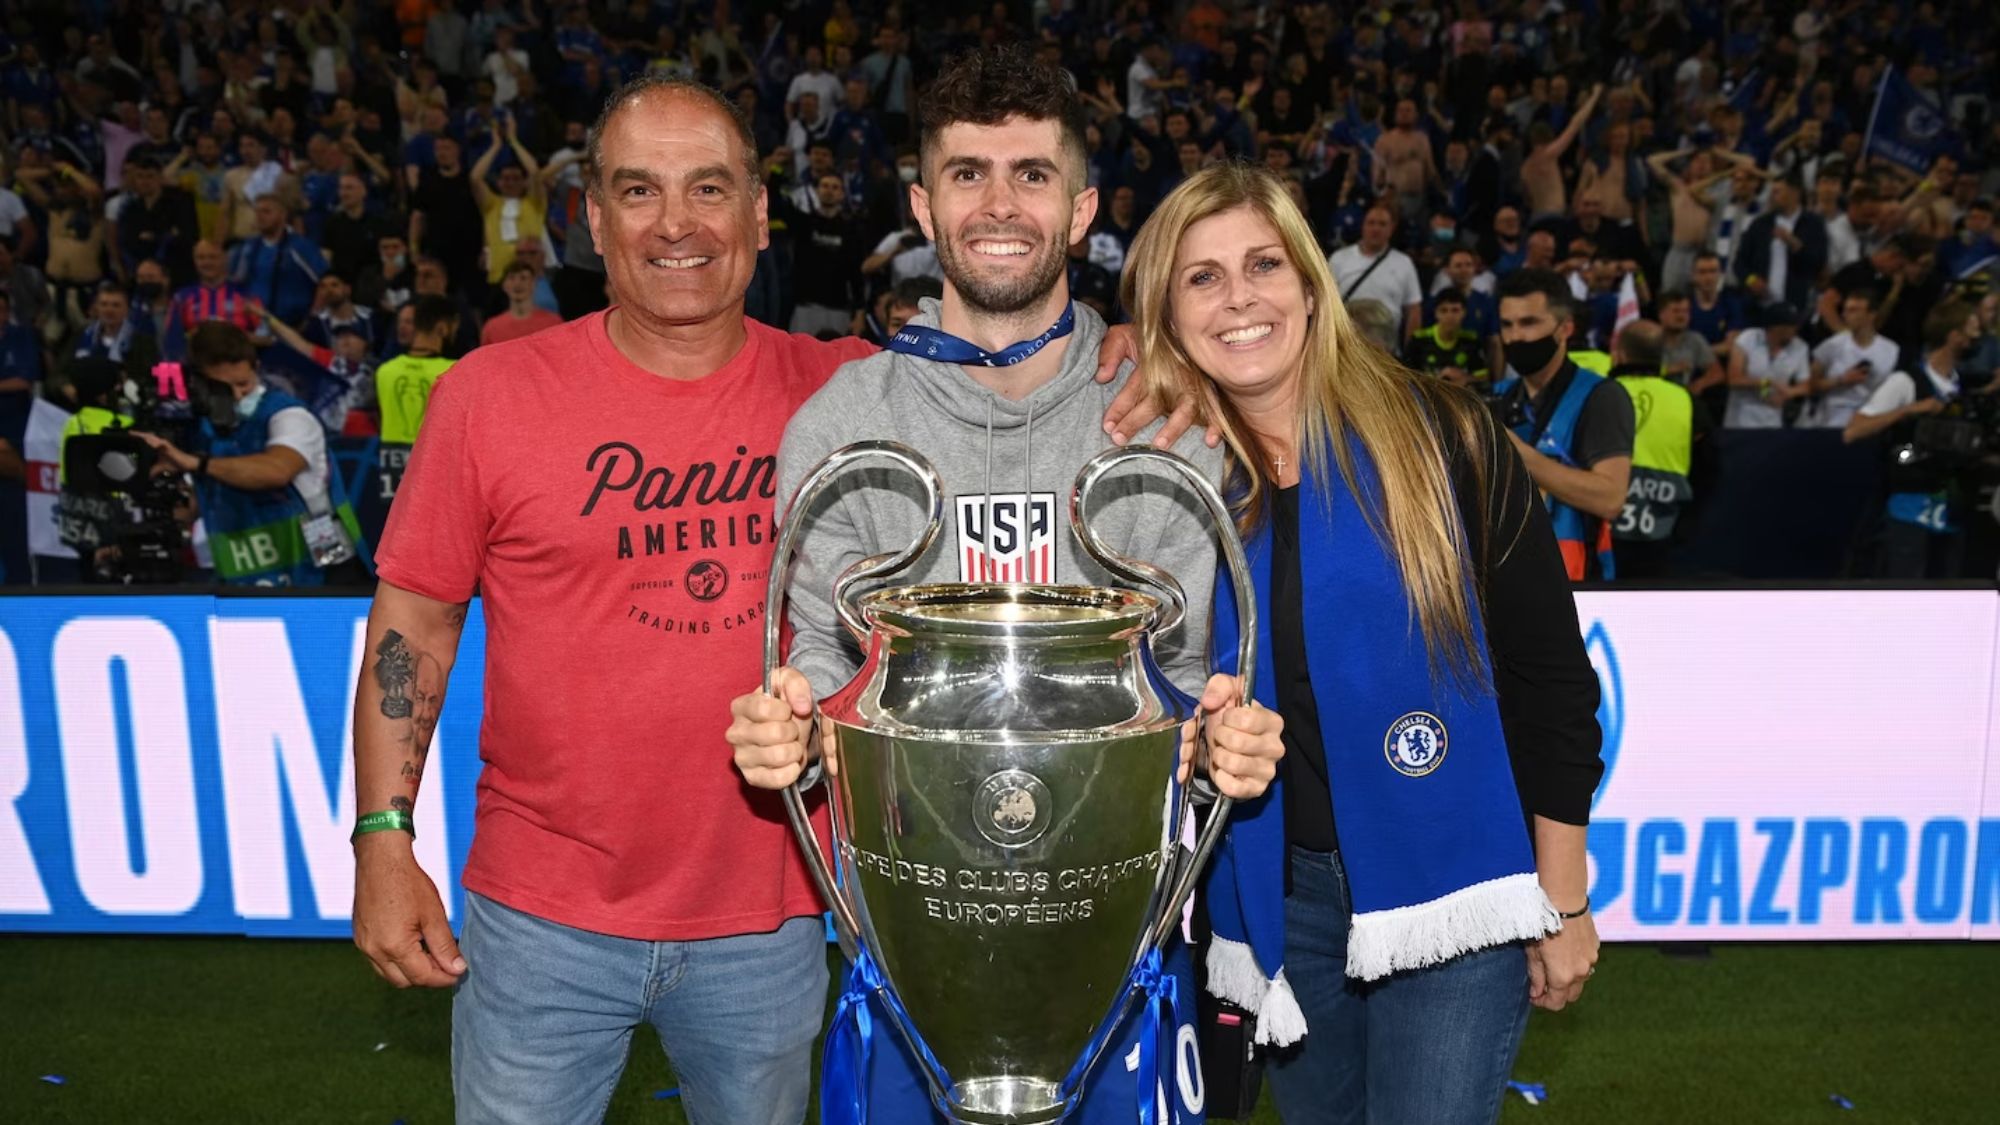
[[149, 290], [1529, 356]]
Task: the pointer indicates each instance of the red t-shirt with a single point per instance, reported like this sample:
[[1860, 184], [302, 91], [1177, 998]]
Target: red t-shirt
[[618, 527], [506, 326]]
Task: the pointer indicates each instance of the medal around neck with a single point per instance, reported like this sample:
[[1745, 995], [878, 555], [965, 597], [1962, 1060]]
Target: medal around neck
[[1006, 817]]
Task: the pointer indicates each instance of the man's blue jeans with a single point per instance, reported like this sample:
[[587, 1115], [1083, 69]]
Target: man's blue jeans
[[1429, 1047], [542, 1022]]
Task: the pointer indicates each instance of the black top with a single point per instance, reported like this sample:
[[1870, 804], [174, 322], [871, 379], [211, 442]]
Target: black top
[[1547, 690], [1308, 808]]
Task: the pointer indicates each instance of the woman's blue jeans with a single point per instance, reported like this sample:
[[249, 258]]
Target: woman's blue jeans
[[1427, 1047]]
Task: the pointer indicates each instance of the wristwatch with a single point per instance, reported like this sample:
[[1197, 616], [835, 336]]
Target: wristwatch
[[201, 466]]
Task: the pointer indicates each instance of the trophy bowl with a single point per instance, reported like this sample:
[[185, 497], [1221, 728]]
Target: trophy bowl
[[1006, 810]]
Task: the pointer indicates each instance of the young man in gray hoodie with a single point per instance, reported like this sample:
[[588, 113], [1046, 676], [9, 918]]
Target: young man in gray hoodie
[[994, 386]]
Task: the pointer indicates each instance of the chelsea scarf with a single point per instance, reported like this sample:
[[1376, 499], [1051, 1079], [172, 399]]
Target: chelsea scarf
[[1429, 825]]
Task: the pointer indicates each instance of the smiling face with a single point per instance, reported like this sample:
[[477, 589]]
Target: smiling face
[[1239, 306], [677, 215], [999, 202]]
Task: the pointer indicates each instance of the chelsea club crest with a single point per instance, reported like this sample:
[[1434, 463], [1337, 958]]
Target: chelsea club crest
[[1415, 744]]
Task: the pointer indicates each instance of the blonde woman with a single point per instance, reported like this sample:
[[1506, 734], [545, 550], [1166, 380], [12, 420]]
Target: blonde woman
[[1392, 906]]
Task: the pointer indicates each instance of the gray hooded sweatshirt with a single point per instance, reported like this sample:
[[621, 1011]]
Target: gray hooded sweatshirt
[[986, 448]]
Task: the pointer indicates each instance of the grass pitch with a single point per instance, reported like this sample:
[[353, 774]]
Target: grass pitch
[[170, 1030]]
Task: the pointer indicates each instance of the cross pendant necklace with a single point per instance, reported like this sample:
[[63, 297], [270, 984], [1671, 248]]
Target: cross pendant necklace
[[1281, 466]]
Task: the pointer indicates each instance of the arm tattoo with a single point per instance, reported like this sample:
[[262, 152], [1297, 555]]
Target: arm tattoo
[[400, 804], [393, 673]]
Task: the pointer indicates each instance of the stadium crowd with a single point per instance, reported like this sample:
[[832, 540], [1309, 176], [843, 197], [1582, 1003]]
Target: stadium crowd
[[1790, 203]]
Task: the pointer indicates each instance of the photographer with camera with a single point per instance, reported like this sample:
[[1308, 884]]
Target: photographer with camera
[[1930, 451], [276, 516]]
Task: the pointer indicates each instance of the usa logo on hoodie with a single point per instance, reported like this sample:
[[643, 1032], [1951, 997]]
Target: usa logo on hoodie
[[1020, 546]]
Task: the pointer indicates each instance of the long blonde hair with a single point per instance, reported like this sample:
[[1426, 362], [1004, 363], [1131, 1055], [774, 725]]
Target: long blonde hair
[[1347, 386]]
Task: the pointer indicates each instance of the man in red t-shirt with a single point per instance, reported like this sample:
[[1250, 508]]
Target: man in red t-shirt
[[607, 487], [521, 317]]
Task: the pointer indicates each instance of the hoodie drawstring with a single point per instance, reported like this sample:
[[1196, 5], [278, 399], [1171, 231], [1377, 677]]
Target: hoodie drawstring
[[1028, 492], [986, 548], [987, 563]]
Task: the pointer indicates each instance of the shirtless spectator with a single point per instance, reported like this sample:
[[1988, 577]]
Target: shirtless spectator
[[1405, 166], [1693, 214], [1610, 181], [1541, 169]]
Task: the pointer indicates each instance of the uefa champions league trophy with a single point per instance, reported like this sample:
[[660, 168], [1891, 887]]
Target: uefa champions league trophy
[[1006, 814]]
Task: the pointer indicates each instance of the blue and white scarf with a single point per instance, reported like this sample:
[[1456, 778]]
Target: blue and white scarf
[[1430, 828]]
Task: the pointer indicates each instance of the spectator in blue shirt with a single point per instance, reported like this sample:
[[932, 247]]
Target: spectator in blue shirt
[[1714, 313], [20, 350], [277, 267], [855, 132], [1973, 248], [112, 328], [578, 42]]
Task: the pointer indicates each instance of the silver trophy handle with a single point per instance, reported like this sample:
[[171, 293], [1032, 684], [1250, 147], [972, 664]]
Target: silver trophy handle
[[846, 926], [1181, 885]]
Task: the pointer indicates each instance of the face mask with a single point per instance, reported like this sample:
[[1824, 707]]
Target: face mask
[[149, 290], [906, 173], [247, 405], [1530, 356], [396, 263], [1444, 234]]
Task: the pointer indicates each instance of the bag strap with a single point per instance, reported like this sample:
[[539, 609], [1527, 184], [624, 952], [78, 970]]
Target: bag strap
[[1348, 293]]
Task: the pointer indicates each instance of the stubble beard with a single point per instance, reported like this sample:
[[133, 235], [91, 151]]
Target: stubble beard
[[1005, 296]]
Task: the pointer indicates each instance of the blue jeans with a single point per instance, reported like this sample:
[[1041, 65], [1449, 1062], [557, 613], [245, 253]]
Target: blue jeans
[[1429, 1047], [543, 1019]]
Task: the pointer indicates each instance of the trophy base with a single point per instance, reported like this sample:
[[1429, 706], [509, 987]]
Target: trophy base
[[1006, 1101]]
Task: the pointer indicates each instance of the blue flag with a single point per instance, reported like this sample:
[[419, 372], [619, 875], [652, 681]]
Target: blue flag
[[1908, 126]]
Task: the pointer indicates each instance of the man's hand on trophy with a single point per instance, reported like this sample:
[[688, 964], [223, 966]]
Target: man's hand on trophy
[[769, 732], [1131, 410], [1244, 741]]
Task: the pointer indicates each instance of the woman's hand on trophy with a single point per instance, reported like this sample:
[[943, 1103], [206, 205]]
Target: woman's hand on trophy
[[769, 733], [1245, 741]]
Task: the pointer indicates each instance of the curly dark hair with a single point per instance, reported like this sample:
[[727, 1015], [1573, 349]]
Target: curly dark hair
[[990, 85]]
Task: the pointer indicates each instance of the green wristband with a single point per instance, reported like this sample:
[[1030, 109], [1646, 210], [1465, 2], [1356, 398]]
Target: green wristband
[[384, 821]]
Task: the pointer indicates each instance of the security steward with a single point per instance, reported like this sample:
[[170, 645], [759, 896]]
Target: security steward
[[1573, 428]]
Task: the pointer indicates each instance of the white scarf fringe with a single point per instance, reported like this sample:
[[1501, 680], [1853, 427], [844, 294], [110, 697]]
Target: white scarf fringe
[[1510, 908], [1233, 975]]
